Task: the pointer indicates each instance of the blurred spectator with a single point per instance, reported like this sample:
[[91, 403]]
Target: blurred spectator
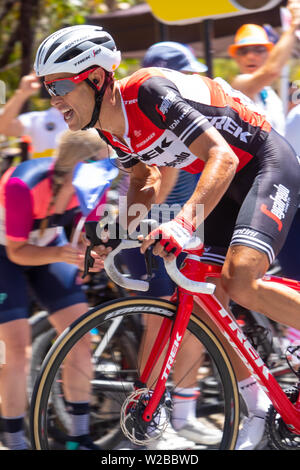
[[293, 117], [173, 55], [43, 127], [261, 62], [289, 256]]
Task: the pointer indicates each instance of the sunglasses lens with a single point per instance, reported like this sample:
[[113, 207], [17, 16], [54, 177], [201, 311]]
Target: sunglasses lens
[[60, 87], [253, 49]]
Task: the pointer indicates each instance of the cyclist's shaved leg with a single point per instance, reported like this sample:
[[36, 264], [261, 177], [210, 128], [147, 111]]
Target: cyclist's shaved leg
[[189, 348], [240, 369], [17, 337], [242, 279], [254, 397]]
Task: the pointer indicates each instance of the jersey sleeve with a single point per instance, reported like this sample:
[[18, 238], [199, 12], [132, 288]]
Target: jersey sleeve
[[18, 210], [162, 103], [127, 160]]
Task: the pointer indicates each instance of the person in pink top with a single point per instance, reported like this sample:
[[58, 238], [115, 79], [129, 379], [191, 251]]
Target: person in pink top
[[38, 198]]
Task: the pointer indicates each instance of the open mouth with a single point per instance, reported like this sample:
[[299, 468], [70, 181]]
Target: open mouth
[[68, 114], [251, 67]]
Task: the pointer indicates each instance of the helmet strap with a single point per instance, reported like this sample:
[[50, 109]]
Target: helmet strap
[[99, 94]]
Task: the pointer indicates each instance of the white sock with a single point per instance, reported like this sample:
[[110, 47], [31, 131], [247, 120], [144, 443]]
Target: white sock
[[158, 422], [256, 400], [184, 406]]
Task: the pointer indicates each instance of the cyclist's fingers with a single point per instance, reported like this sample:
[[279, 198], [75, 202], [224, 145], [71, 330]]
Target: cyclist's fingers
[[102, 250], [169, 257], [158, 249], [146, 243]]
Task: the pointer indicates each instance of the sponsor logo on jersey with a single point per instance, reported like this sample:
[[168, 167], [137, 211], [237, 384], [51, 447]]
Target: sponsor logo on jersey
[[133, 101], [166, 104], [158, 150], [246, 231], [280, 205], [146, 140], [229, 125]]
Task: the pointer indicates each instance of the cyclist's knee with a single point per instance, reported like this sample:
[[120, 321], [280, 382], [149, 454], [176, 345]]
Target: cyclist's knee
[[239, 283], [242, 268], [239, 288]]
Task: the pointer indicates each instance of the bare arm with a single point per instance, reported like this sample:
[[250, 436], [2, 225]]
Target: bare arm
[[251, 84], [24, 254], [169, 176], [10, 125], [219, 171]]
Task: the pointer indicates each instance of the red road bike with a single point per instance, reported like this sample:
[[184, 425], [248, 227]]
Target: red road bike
[[125, 399]]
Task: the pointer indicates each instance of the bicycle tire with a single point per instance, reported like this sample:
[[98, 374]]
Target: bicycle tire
[[125, 308]]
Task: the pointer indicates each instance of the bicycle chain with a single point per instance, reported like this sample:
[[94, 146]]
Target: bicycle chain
[[278, 434]]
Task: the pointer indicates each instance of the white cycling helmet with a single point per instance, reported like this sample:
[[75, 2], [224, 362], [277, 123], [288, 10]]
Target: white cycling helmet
[[76, 48]]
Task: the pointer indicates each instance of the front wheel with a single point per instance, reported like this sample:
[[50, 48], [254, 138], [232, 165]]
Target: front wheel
[[110, 332]]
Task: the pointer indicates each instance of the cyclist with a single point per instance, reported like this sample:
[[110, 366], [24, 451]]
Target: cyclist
[[37, 198], [176, 188], [160, 117]]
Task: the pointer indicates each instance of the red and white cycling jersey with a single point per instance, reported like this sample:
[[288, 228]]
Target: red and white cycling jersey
[[165, 111]]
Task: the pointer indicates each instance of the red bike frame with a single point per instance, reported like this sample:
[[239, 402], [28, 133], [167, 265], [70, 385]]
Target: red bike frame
[[197, 271]]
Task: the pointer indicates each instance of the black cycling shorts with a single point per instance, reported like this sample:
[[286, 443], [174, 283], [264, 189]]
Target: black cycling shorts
[[258, 208]]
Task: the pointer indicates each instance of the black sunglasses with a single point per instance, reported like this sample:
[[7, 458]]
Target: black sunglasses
[[244, 50]]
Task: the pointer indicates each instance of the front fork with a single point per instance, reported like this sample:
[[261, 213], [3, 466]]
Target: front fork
[[185, 307]]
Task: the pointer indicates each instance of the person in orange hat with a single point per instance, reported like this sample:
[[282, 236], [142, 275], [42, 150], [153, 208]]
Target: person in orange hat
[[260, 63]]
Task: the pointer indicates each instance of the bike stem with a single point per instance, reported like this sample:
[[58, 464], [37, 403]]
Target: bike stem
[[184, 310]]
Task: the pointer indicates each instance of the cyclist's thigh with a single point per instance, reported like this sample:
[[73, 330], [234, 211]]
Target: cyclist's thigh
[[14, 298]]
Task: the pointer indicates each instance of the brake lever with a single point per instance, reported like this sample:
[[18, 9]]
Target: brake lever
[[151, 263], [88, 261]]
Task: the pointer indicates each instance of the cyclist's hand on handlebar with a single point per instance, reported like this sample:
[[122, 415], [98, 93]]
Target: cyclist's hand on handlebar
[[98, 263], [101, 251], [169, 238]]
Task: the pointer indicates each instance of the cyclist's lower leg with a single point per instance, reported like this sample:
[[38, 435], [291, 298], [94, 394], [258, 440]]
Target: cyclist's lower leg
[[186, 389], [256, 400], [77, 372], [13, 375], [185, 377], [189, 348]]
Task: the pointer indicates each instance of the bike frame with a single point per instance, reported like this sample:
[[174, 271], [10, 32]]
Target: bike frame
[[197, 271]]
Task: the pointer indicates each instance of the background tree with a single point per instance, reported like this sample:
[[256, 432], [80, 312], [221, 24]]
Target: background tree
[[25, 23]]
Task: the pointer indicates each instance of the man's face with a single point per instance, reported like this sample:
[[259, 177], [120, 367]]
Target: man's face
[[251, 58], [77, 105]]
